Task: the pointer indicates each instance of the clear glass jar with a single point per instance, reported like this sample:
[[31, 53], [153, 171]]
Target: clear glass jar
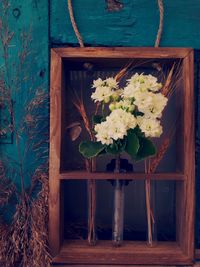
[[150, 188], [91, 195], [118, 213]]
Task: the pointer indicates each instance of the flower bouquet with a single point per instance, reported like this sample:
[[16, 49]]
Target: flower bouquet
[[129, 118]]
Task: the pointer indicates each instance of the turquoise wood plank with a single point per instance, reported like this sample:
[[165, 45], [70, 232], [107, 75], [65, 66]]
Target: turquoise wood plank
[[135, 25], [29, 17]]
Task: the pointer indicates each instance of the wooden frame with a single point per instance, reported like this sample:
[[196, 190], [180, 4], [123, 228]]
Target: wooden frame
[[78, 252]]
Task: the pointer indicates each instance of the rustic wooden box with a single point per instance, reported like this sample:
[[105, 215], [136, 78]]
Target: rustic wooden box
[[180, 252]]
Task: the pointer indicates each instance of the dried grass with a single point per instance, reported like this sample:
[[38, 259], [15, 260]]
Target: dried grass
[[7, 188], [25, 240], [172, 80]]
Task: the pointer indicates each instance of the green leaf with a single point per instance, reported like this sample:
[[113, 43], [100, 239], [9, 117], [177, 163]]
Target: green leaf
[[97, 119], [146, 149], [90, 149], [117, 147], [138, 132], [132, 145]]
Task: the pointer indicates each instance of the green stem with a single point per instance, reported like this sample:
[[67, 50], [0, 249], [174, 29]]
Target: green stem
[[102, 109]]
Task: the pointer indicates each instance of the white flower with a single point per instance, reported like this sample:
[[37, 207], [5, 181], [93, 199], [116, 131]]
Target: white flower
[[152, 83], [141, 83], [155, 109], [149, 126], [126, 118], [143, 100], [149, 82], [102, 133], [102, 93], [131, 89], [105, 90], [111, 82], [115, 127], [97, 83], [137, 78]]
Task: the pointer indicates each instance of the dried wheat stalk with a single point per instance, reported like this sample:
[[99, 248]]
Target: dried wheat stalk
[[171, 84], [90, 166]]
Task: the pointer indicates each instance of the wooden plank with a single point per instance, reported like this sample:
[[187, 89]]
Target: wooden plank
[[127, 176], [94, 265], [78, 251], [189, 157], [123, 52], [54, 157]]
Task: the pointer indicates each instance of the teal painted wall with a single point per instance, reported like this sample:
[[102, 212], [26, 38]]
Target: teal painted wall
[[135, 25]]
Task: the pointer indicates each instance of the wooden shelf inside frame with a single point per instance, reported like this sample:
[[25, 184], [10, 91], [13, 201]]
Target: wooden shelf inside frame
[[82, 175], [131, 252]]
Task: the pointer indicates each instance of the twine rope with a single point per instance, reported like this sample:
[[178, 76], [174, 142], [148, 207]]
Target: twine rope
[[74, 25], [80, 39], [160, 29]]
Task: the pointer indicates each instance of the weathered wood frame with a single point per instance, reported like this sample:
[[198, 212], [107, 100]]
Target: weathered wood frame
[[181, 252]]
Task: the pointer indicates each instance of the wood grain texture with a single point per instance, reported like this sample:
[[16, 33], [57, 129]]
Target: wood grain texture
[[130, 253], [97, 265], [189, 155], [126, 176], [54, 156], [122, 52], [185, 191], [135, 25]]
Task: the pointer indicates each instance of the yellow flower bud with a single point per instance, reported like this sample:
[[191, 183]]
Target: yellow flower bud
[[106, 100], [112, 106]]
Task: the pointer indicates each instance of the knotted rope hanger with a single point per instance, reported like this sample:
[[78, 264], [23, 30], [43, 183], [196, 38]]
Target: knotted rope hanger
[[80, 39], [74, 25], [160, 29]]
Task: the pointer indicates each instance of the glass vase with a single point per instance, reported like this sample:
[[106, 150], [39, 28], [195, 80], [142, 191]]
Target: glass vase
[[91, 197], [118, 165], [91, 193], [118, 213], [150, 188], [118, 207]]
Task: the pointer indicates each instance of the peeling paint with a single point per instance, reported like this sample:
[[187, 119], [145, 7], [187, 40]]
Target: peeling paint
[[114, 5]]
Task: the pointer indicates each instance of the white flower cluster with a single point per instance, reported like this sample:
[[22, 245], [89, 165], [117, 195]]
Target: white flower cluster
[[106, 90], [141, 83], [140, 96], [115, 126]]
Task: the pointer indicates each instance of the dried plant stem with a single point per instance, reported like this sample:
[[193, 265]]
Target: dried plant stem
[[78, 103], [159, 155], [91, 167], [123, 71], [172, 80]]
